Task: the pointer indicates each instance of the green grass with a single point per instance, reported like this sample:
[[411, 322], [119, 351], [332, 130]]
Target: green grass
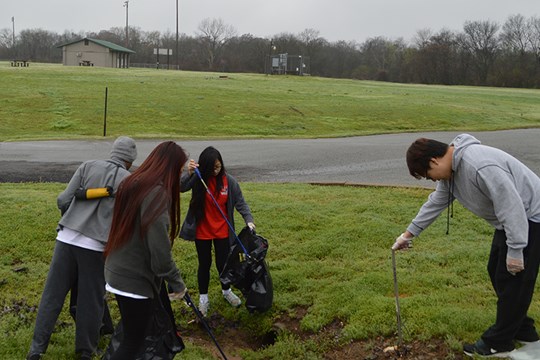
[[50, 101], [329, 257], [329, 246]]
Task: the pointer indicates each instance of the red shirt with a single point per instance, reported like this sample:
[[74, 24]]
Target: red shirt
[[213, 225]]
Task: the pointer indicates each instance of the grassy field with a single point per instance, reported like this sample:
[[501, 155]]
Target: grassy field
[[329, 257], [329, 246], [50, 101]]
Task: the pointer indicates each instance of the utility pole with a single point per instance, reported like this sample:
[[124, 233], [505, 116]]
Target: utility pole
[[126, 4], [13, 21], [177, 65]]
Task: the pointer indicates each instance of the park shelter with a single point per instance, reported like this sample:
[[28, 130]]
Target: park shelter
[[94, 52]]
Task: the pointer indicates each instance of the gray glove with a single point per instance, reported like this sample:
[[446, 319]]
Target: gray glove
[[514, 265], [402, 242], [178, 296]]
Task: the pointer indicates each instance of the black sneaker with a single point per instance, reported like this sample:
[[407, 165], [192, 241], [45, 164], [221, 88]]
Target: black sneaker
[[524, 340], [83, 356], [33, 357], [482, 349]]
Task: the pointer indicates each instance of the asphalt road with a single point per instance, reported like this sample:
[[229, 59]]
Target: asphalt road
[[371, 160]]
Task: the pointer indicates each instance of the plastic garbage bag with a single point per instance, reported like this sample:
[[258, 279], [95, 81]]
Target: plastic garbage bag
[[250, 274]]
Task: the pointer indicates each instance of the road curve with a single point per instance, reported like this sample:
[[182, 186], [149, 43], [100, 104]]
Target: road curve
[[377, 159]]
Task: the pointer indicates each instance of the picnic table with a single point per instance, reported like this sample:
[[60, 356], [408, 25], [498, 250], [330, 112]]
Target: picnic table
[[20, 63], [86, 63]]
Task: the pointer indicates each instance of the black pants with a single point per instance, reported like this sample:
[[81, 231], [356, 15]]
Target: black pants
[[204, 254], [514, 292], [136, 315]]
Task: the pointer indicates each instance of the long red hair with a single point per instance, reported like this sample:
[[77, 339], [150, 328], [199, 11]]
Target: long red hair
[[161, 168]]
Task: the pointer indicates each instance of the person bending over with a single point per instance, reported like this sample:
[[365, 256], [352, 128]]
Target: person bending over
[[500, 189]]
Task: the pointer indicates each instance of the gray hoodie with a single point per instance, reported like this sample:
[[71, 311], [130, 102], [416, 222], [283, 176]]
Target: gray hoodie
[[91, 218], [493, 185]]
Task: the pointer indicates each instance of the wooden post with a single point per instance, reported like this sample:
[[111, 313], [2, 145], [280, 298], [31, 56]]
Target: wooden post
[[105, 114]]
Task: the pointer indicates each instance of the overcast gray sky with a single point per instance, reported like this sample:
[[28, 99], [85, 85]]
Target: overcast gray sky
[[334, 19]]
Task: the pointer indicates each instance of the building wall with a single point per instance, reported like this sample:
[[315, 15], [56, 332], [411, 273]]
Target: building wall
[[92, 54]]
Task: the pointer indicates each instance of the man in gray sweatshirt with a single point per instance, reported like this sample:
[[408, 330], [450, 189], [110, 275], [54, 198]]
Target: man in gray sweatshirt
[[86, 206], [500, 189]]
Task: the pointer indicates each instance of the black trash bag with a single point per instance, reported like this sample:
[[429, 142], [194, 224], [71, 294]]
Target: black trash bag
[[162, 341], [250, 274]]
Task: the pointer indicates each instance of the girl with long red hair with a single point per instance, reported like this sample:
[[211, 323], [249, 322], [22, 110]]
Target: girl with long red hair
[[138, 254]]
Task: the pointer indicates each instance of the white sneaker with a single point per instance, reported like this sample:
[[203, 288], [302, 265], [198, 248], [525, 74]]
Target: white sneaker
[[203, 307], [232, 299]]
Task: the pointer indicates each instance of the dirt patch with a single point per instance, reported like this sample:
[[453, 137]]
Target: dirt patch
[[232, 339]]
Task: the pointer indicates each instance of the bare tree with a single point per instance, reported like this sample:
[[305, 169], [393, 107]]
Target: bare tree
[[6, 44], [515, 33], [480, 39], [6, 38], [213, 35], [286, 43], [533, 39], [435, 59], [422, 38], [115, 35], [38, 45], [311, 41], [379, 54]]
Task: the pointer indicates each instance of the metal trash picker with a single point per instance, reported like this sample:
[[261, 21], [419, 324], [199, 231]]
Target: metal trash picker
[[190, 303], [399, 349]]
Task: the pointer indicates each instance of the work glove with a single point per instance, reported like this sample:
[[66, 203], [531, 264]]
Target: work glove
[[402, 242], [179, 295], [514, 265], [95, 193]]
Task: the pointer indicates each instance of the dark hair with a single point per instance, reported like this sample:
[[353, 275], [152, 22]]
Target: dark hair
[[207, 159], [420, 154], [161, 168]]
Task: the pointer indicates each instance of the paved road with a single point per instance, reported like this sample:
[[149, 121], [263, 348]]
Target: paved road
[[375, 159]]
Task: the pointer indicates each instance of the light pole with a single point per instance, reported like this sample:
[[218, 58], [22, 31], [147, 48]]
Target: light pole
[[177, 68], [13, 21], [126, 5]]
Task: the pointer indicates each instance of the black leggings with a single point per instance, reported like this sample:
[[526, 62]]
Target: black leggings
[[204, 253], [136, 315]]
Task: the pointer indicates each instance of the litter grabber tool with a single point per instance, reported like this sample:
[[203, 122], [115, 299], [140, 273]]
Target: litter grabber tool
[[190, 303], [396, 293], [399, 349]]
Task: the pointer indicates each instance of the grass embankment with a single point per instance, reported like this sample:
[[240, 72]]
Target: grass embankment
[[329, 257], [47, 101]]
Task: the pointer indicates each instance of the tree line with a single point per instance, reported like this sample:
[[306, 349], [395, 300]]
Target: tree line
[[482, 53]]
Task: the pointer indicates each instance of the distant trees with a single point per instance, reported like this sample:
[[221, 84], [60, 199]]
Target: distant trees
[[214, 35], [482, 53], [37, 45], [481, 42]]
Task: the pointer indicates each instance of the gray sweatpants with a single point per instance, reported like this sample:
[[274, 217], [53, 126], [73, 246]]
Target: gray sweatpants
[[69, 264]]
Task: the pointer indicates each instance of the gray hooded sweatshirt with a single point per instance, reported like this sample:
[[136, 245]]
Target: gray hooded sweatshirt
[[493, 185]]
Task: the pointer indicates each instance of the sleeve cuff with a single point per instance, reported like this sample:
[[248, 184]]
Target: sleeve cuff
[[515, 253]]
